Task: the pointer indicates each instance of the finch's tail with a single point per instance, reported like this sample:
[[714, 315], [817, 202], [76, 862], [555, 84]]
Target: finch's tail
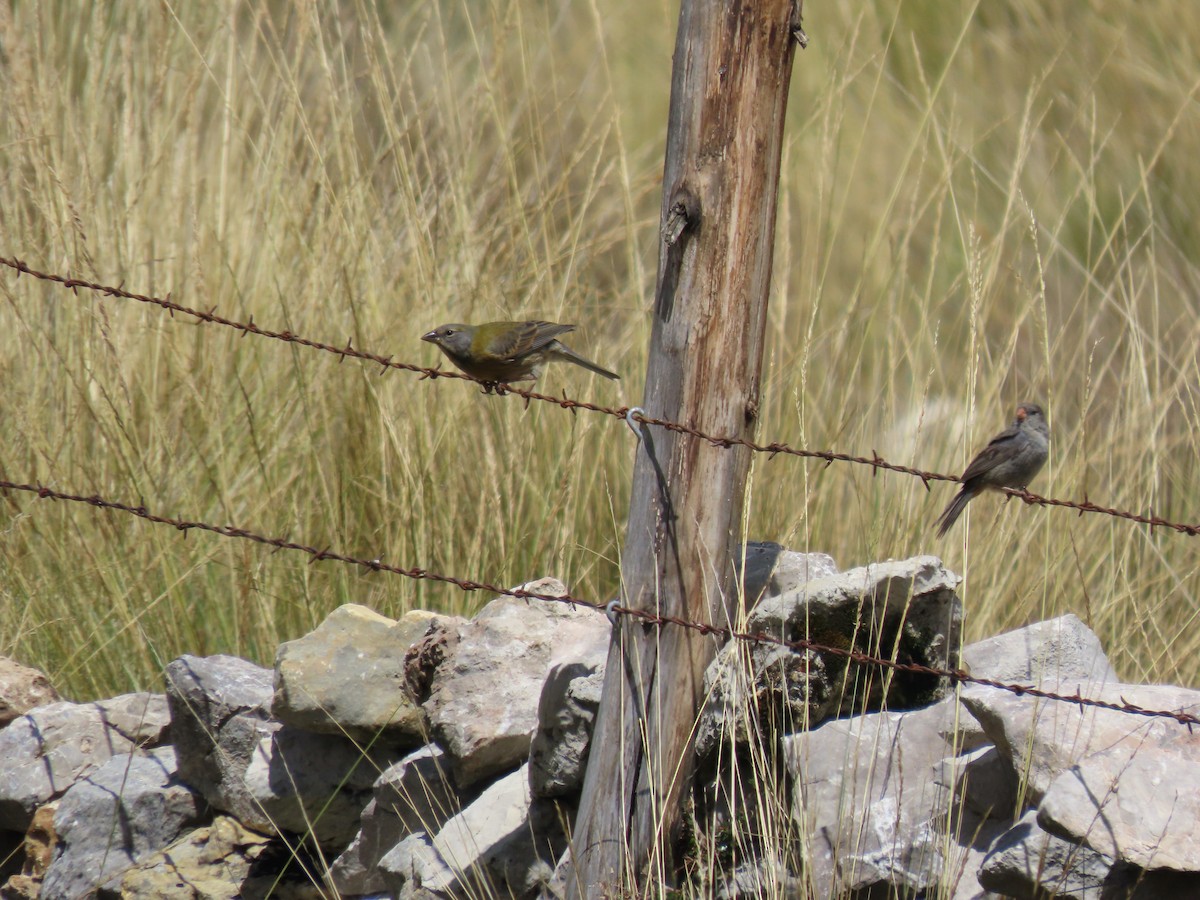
[[562, 351], [951, 513]]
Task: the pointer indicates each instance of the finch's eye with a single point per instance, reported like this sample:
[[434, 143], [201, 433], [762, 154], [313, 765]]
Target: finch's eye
[[448, 332]]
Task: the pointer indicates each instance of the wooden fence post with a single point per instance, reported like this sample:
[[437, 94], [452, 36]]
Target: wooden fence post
[[729, 87]]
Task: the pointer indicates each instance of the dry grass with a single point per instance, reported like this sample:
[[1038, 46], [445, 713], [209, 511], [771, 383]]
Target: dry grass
[[980, 205]]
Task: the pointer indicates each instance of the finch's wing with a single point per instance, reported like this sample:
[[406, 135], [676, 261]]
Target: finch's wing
[[992, 455], [522, 338]]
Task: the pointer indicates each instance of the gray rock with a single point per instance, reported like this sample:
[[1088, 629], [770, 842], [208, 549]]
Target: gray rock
[[313, 784], [1043, 738], [556, 887], [1137, 798], [771, 570], [219, 717], [142, 719], [908, 609], [1062, 650], [988, 786], [127, 809], [348, 677], [971, 840], [1124, 784], [22, 689], [759, 878], [412, 865], [502, 844], [523, 863], [872, 792], [1026, 862], [45, 751], [566, 712], [484, 697], [414, 795], [467, 840]]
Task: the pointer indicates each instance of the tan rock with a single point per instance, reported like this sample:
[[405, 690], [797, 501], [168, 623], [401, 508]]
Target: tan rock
[[347, 676], [38, 849], [22, 689], [212, 862]]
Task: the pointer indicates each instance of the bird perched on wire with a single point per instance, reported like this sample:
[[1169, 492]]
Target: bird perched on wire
[[1010, 460], [507, 351]]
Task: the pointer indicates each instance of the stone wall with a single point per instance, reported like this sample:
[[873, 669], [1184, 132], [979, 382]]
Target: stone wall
[[437, 756]]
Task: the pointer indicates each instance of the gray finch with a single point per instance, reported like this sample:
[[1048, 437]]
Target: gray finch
[[1010, 460]]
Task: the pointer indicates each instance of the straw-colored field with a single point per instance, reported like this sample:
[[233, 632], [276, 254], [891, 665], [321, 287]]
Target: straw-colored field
[[981, 204]]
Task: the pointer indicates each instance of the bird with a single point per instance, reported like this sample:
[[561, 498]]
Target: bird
[[507, 352], [1010, 460]]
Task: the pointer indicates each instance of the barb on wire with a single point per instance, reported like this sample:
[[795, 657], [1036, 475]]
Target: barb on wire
[[612, 610], [630, 414]]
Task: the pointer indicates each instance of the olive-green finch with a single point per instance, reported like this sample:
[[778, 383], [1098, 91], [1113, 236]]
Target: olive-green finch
[[507, 351]]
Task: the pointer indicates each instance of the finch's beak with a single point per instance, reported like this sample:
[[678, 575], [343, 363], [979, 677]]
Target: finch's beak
[[1022, 415], [431, 337]]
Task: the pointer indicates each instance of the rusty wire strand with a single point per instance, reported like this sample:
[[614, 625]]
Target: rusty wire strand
[[875, 461], [955, 676]]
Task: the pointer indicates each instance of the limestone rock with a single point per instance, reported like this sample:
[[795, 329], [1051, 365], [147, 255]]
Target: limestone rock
[[411, 865], [45, 751], [312, 784], [907, 608], [501, 844], [872, 793], [483, 699], [219, 717], [1028, 862], [1138, 798], [761, 877], [1123, 784], [770, 570], [127, 809], [988, 785], [566, 713], [416, 794], [469, 837], [1044, 738], [348, 677], [972, 840], [1062, 651], [22, 689]]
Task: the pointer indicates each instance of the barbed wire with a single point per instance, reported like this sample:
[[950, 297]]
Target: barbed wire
[[954, 676], [627, 413]]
